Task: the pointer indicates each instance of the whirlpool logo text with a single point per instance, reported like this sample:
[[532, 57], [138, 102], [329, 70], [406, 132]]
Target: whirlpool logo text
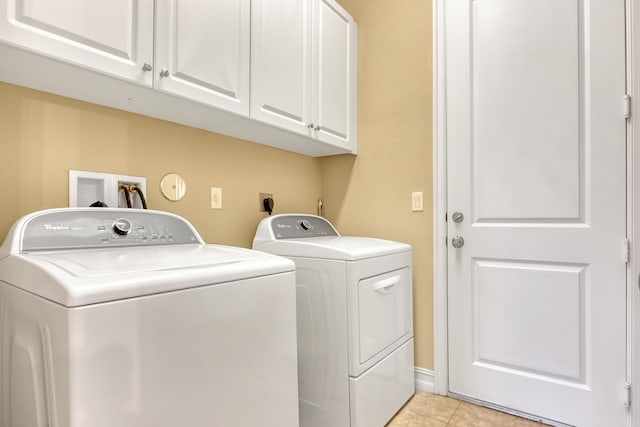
[[51, 227]]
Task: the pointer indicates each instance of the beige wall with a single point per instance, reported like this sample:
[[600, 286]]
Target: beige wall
[[42, 136], [371, 194]]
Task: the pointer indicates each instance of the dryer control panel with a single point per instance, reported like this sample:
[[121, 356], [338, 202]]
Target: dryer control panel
[[97, 227], [301, 226]]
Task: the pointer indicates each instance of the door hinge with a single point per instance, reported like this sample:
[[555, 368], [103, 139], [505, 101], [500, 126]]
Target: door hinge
[[627, 395], [627, 106], [625, 250]]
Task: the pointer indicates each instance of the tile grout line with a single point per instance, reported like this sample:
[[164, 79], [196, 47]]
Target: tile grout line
[[452, 414]]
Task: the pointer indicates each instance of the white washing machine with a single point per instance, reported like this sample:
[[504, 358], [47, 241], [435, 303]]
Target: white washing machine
[[126, 318], [355, 323]]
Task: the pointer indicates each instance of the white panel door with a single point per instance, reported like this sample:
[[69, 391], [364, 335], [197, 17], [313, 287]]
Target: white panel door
[[113, 37], [281, 63], [536, 165], [202, 51], [336, 75]]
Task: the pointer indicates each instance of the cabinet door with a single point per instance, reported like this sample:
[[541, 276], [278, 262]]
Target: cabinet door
[[202, 51], [336, 75], [281, 63], [113, 37]]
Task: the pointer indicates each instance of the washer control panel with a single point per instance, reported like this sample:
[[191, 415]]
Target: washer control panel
[[98, 227], [301, 226]]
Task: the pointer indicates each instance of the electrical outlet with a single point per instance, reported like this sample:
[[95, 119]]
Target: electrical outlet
[[261, 197], [216, 198], [417, 203]]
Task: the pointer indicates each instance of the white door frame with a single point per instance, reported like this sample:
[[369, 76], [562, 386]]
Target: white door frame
[[440, 324], [633, 203], [441, 364]]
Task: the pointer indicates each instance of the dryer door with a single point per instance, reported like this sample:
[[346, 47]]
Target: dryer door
[[384, 312]]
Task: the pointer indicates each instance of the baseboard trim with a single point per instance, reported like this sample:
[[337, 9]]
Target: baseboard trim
[[424, 380]]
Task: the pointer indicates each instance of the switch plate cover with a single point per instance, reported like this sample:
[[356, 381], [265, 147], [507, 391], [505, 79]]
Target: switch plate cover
[[216, 198], [417, 201]]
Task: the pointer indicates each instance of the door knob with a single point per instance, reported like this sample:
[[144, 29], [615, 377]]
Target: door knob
[[457, 242], [164, 73], [147, 67], [457, 217]]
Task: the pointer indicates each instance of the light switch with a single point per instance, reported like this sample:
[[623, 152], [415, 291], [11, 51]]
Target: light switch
[[417, 203], [216, 198]]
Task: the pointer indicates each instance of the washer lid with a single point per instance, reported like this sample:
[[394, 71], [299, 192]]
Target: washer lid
[[100, 263], [81, 277]]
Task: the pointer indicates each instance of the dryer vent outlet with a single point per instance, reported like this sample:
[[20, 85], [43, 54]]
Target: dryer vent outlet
[[261, 197]]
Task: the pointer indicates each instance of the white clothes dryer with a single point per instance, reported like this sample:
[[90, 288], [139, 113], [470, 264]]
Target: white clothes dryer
[[355, 323], [112, 317]]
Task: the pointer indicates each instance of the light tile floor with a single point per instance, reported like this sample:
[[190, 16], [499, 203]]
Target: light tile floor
[[431, 410]]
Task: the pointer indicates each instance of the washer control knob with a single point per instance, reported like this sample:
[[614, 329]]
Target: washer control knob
[[122, 226], [305, 224]]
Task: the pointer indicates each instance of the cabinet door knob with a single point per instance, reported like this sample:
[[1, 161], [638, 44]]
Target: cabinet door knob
[[310, 125], [164, 73], [317, 128], [147, 67]]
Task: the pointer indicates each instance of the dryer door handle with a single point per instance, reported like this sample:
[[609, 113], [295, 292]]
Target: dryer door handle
[[385, 286]]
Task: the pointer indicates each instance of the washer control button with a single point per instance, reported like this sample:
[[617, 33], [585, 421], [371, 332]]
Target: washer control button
[[305, 224], [122, 226]]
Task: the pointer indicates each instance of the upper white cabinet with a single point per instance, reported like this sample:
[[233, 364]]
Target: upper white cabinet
[[277, 72], [281, 63], [202, 51], [335, 81], [114, 37], [304, 69]]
